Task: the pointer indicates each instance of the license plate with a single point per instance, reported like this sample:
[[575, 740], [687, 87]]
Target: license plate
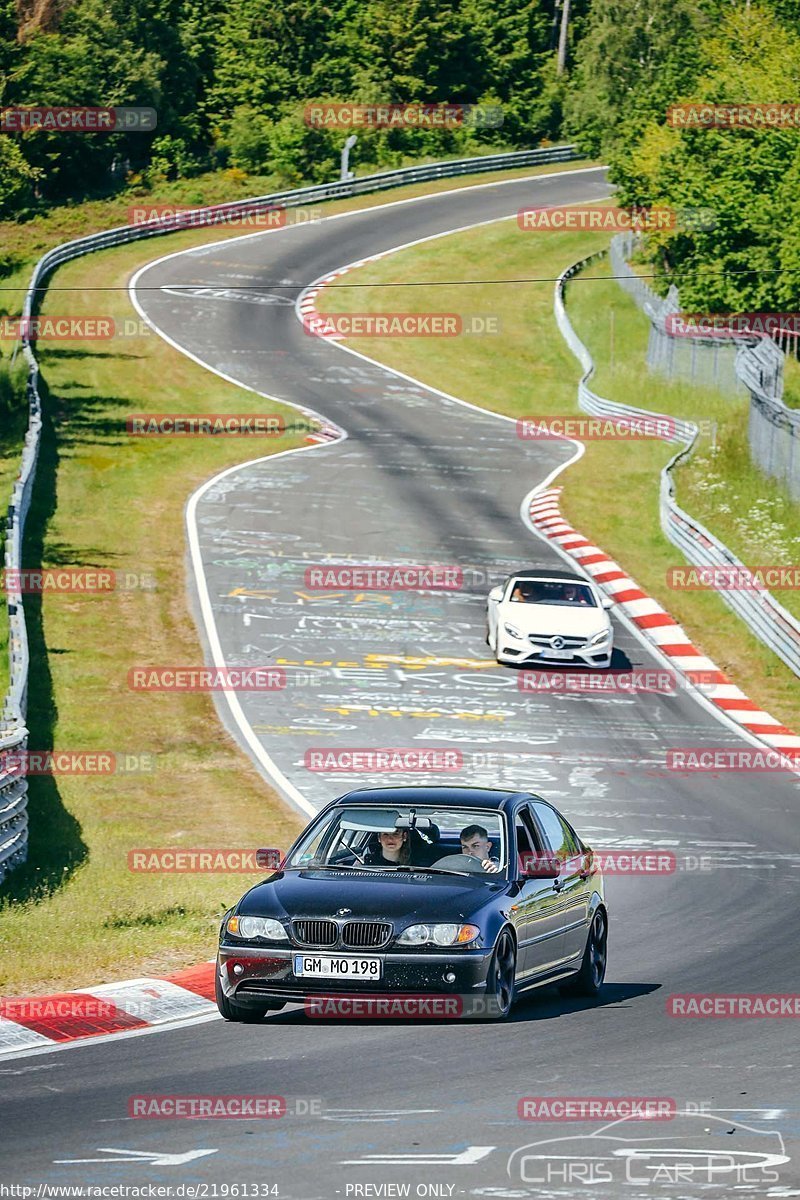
[[320, 966], [558, 653]]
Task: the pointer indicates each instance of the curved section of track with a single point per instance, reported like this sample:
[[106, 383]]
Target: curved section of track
[[422, 478]]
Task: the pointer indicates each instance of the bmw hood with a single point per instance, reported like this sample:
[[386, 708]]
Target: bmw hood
[[374, 895]]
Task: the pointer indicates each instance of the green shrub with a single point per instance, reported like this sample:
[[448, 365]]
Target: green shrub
[[12, 386]]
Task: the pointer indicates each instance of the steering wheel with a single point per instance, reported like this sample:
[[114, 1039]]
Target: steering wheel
[[460, 862]]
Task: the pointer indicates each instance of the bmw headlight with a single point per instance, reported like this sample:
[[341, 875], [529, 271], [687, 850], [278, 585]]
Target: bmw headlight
[[256, 927], [512, 631], [439, 935], [602, 636]]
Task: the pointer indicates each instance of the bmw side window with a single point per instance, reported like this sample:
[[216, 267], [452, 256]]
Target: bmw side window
[[557, 835], [528, 841]]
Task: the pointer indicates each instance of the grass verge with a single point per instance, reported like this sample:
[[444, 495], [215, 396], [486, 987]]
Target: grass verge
[[791, 382], [611, 495]]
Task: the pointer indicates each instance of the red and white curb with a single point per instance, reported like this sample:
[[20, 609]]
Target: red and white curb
[[657, 625], [109, 1008], [315, 325], [314, 322]]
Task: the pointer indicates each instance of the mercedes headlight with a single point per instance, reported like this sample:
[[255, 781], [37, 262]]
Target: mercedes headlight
[[256, 927], [512, 631], [602, 636], [439, 935]]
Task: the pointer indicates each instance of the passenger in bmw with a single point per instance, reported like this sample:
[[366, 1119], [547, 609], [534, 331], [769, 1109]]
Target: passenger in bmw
[[475, 841], [394, 848]]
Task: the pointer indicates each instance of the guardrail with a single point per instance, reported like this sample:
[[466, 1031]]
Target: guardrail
[[13, 734], [682, 431], [759, 609]]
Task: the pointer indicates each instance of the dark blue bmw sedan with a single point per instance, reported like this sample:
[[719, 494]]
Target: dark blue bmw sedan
[[467, 895]]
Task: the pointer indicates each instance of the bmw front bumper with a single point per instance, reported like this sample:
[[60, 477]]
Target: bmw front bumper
[[254, 975]]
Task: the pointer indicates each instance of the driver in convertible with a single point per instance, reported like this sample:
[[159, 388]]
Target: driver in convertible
[[475, 842]]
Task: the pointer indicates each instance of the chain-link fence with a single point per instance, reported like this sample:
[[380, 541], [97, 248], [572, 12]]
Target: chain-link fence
[[704, 361], [737, 365]]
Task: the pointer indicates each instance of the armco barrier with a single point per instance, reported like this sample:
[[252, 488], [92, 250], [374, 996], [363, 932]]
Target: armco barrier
[[760, 611], [13, 734]]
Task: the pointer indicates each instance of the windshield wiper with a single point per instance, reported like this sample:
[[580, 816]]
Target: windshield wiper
[[325, 866], [428, 870]]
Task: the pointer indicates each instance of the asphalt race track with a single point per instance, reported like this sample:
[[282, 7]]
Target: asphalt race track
[[422, 479]]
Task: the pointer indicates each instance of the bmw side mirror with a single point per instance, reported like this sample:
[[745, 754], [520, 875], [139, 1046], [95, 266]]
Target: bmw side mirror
[[539, 866], [269, 860]]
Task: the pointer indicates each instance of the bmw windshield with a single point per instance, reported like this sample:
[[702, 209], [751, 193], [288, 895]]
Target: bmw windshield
[[451, 840]]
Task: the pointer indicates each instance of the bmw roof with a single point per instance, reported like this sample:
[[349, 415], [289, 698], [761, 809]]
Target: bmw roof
[[449, 795]]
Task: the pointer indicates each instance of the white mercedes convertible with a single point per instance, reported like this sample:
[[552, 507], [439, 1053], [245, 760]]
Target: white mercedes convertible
[[546, 617]]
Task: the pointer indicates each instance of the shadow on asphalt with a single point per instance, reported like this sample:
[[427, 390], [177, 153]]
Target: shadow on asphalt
[[544, 1005]]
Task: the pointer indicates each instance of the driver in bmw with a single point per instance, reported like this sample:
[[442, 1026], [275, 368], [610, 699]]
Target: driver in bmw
[[475, 842]]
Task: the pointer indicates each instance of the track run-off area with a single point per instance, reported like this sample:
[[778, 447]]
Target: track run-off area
[[412, 475]]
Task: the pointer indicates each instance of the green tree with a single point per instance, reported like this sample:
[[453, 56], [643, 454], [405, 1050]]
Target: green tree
[[748, 177], [634, 60]]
